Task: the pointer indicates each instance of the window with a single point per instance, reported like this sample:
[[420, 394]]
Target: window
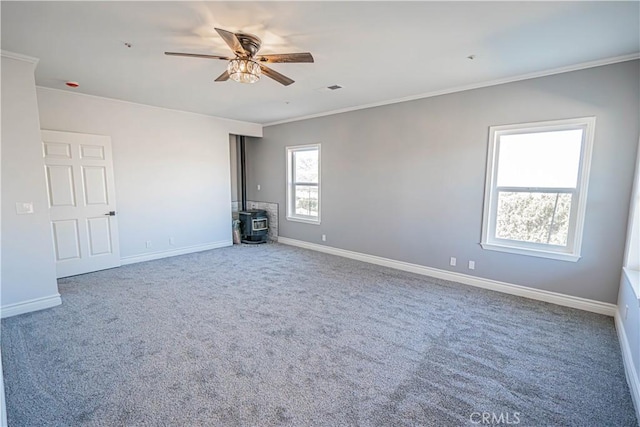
[[632, 258], [303, 183], [536, 188]]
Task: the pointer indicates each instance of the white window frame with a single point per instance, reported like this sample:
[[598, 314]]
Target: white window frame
[[570, 252], [631, 266], [291, 211]]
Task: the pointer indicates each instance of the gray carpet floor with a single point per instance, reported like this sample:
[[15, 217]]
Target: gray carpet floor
[[272, 335]]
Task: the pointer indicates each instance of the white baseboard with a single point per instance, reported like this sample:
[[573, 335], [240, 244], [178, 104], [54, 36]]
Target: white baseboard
[[133, 259], [629, 368], [3, 401], [30, 305], [494, 285]]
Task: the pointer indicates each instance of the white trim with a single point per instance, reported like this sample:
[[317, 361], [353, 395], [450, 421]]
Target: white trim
[[19, 57], [535, 75], [629, 368], [632, 247], [138, 104], [633, 277], [480, 282], [530, 252], [30, 305], [133, 259], [3, 401], [302, 220]]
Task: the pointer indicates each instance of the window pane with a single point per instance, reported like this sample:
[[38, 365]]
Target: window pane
[[306, 200], [305, 166], [534, 217], [541, 159]]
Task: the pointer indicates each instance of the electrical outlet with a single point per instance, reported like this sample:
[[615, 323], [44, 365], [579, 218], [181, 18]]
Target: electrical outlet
[[472, 265], [172, 241], [324, 237], [452, 261], [626, 312], [24, 208], [258, 187], [148, 244]]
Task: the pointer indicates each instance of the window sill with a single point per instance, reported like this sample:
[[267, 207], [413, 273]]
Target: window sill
[[304, 220], [531, 252], [633, 277]]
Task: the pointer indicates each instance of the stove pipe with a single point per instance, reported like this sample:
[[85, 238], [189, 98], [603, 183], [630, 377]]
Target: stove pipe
[[243, 173]]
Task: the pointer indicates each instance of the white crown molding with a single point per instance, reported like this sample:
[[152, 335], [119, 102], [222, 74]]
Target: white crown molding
[[30, 305], [480, 282], [629, 368], [19, 57], [133, 259], [528, 76]]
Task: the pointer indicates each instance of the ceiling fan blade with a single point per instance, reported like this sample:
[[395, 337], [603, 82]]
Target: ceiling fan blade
[[223, 77], [286, 57], [280, 78], [233, 42], [196, 55]]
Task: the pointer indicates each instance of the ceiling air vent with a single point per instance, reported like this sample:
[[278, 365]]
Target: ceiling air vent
[[329, 88]]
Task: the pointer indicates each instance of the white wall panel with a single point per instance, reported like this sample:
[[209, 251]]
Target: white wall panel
[[99, 236], [94, 182], [60, 185], [92, 152], [56, 150], [65, 239]]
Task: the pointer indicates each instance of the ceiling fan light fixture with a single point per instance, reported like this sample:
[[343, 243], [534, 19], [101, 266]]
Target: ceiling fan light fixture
[[246, 67], [244, 70]]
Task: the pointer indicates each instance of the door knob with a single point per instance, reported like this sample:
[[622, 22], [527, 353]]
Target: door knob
[[111, 213]]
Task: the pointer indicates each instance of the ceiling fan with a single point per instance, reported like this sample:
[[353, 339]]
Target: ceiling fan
[[246, 67]]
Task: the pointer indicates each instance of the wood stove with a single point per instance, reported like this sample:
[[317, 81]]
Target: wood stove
[[254, 225]]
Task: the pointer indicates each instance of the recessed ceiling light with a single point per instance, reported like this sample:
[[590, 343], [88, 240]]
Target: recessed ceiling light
[[72, 84]]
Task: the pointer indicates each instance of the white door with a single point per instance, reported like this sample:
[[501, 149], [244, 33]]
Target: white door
[[82, 202]]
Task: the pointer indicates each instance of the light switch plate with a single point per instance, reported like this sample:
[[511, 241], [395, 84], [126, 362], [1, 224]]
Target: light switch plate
[[24, 208]]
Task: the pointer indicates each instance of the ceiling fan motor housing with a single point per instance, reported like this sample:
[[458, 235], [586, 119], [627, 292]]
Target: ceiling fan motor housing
[[250, 43]]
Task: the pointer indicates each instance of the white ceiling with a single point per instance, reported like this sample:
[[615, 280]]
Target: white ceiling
[[378, 51]]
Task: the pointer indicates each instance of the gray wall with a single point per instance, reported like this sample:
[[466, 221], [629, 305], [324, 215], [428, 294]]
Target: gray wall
[[406, 181], [28, 269]]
